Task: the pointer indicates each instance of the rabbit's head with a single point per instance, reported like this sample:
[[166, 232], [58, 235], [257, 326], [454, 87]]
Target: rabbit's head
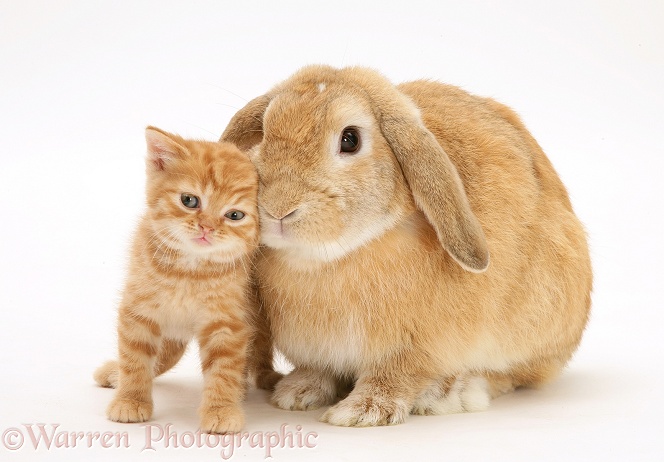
[[342, 157]]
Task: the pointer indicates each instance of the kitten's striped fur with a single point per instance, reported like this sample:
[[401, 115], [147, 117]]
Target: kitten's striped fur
[[188, 277]]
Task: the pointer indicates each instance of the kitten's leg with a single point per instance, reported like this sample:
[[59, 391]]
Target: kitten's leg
[[223, 350], [170, 353], [138, 344]]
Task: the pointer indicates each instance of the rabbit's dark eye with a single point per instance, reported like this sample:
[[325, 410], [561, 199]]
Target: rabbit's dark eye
[[190, 201], [350, 140]]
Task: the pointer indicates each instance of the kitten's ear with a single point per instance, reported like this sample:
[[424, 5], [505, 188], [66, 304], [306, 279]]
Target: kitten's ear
[[162, 148]]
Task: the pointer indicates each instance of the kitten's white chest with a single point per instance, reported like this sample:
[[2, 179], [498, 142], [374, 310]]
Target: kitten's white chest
[[179, 314]]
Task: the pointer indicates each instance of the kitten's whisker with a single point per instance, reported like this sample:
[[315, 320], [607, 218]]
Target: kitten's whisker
[[228, 91], [228, 105], [205, 130]]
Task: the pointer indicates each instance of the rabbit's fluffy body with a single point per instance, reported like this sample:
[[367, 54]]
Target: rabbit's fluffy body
[[364, 281]]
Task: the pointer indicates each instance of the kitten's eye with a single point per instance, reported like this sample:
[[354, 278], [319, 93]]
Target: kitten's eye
[[235, 215], [190, 201], [350, 140]]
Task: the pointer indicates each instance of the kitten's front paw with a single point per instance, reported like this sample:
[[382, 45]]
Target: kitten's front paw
[[303, 390], [227, 419], [129, 410], [366, 411]]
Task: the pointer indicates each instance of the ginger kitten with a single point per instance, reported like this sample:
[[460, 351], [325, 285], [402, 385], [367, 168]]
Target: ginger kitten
[[188, 277]]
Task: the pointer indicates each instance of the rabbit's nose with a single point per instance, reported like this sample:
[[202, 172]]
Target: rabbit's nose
[[280, 216]]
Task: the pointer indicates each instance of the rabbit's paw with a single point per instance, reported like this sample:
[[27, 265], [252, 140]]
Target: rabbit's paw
[[303, 390], [268, 379], [463, 394], [366, 411]]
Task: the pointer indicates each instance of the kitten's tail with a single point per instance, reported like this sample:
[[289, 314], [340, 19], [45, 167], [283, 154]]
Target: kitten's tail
[[170, 352], [107, 375]]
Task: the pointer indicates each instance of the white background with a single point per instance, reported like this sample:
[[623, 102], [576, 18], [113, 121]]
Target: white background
[[79, 81]]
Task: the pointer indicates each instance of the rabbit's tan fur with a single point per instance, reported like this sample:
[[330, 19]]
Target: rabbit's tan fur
[[437, 267]]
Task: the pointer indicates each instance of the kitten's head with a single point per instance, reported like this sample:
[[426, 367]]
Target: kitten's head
[[201, 197]]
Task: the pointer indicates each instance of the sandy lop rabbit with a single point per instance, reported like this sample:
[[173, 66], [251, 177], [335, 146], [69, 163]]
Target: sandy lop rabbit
[[419, 248]]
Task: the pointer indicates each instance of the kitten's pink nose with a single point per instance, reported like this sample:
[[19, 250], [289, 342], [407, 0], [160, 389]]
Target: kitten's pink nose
[[205, 228]]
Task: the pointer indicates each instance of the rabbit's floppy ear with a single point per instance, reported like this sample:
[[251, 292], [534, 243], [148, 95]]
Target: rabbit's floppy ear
[[433, 180], [245, 129]]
